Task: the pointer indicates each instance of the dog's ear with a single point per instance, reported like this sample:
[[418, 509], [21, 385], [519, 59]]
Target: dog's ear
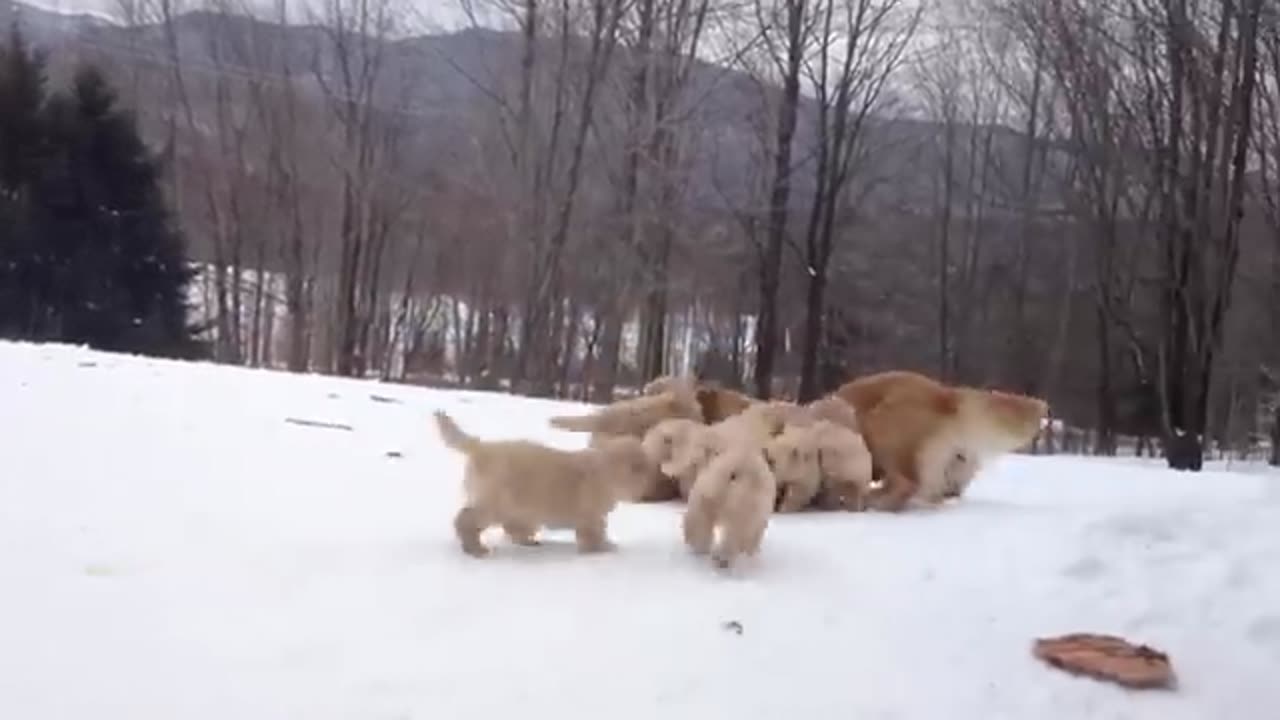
[[707, 402]]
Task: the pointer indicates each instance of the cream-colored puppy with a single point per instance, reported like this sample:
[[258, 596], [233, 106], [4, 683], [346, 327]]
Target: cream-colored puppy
[[634, 416], [718, 403], [959, 474], [830, 408], [757, 424], [524, 486], [845, 466], [699, 448], [793, 457], [734, 495], [667, 446]]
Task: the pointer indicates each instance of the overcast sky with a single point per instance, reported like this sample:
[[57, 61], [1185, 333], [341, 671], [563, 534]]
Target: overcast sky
[[441, 14]]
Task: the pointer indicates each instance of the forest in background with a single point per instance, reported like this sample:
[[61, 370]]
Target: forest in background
[[1073, 198]]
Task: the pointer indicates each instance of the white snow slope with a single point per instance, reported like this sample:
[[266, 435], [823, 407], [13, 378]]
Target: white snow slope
[[171, 549]]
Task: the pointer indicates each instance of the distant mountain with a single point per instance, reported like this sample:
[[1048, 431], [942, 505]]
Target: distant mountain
[[448, 75], [44, 25]]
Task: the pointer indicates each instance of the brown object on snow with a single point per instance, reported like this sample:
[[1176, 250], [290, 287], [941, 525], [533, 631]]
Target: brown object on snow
[[1107, 657]]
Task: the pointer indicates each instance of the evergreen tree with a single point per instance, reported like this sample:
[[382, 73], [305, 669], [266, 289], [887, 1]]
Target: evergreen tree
[[92, 252], [22, 150]]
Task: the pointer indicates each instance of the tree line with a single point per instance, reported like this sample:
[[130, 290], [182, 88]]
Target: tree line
[[1071, 198]]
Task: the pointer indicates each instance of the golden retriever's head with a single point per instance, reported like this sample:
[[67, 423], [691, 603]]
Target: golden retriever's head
[[624, 464], [668, 438], [792, 455], [999, 422]]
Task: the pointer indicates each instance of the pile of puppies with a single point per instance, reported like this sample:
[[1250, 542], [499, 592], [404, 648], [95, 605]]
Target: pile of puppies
[[735, 460]]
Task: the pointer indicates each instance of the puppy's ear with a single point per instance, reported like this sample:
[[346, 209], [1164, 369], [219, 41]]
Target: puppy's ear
[[707, 402]]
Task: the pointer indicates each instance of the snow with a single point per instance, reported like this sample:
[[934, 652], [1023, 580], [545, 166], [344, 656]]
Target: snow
[[172, 548]]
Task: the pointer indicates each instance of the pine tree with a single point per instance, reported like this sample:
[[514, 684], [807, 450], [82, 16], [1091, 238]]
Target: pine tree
[[23, 267], [90, 253], [123, 271]]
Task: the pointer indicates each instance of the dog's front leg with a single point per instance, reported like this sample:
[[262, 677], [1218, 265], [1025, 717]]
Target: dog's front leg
[[593, 536], [899, 488], [785, 498], [729, 548], [468, 524], [755, 538], [699, 527]]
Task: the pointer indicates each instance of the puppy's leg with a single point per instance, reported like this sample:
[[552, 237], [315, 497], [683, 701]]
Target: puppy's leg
[[853, 495], [806, 493], [732, 544], [826, 500], [793, 499], [684, 483], [468, 524], [661, 489], [699, 527], [593, 537], [521, 533], [858, 500], [754, 538]]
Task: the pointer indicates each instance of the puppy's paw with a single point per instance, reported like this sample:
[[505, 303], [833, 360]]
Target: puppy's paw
[[790, 503], [722, 561], [597, 546], [476, 551]]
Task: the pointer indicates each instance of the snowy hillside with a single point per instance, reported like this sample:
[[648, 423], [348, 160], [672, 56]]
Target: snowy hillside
[[172, 548]]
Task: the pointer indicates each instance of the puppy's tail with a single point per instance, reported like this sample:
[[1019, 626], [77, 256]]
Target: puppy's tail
[[453, 436], [574, 423]]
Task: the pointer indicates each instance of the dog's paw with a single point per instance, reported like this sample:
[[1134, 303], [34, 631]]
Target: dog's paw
[[476, 551], [605, 546]]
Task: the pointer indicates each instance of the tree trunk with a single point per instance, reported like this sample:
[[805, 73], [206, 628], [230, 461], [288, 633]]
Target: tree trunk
[[1274, 460], [1105, 443], [606, 369], [815, 307], [766, 336]]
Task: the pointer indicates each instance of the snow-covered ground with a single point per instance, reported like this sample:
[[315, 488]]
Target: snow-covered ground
[[171, 547]]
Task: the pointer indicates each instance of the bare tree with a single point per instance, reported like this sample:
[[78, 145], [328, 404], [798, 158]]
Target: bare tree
[[1267, 138], [859, 44], [1199, 68], [785, 26], [352, 70]]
